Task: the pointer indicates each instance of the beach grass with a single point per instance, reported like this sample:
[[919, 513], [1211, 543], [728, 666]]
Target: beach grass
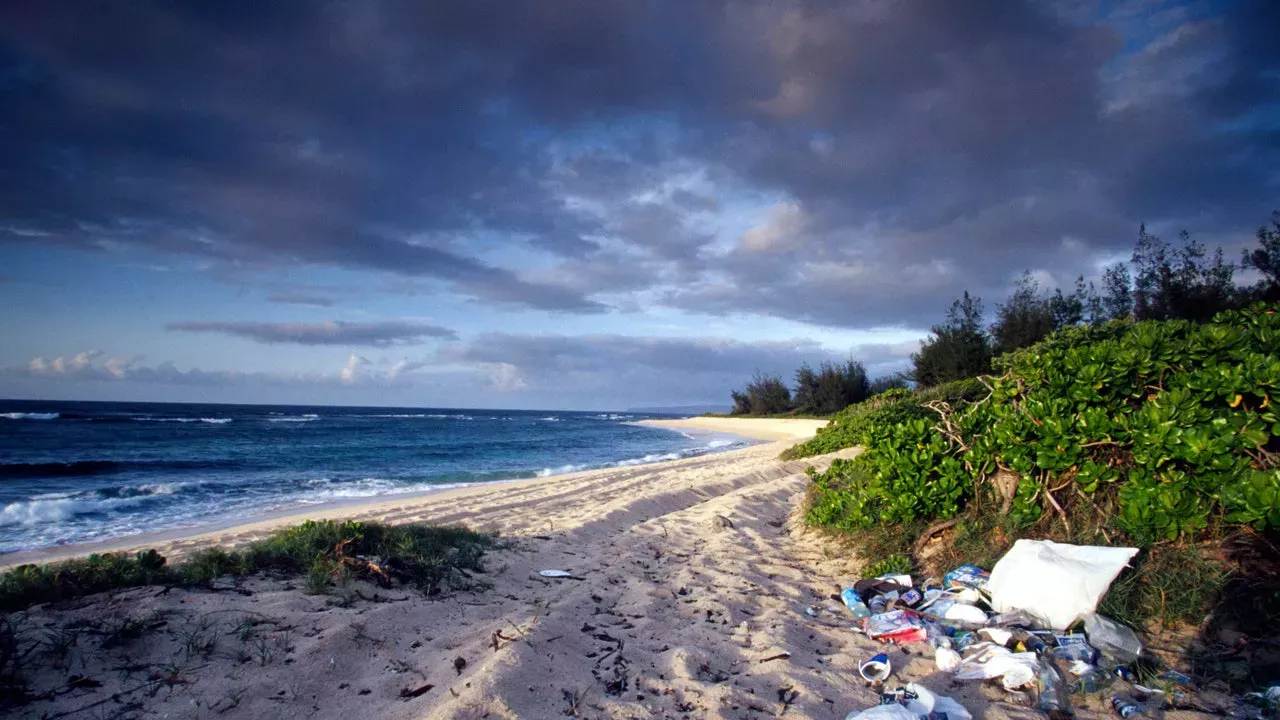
[[427, 557]]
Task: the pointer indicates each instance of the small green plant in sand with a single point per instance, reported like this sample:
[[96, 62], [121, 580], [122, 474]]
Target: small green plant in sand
[[423, 556], [895, 564]]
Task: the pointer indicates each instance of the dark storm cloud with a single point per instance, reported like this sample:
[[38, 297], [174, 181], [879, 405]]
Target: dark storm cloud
[[924, 148], [375, 334]]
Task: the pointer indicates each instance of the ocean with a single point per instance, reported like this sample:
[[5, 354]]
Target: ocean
[[74, 472]]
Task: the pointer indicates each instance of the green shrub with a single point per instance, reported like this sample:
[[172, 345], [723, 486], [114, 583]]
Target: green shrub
[[850, 426], [1169, 424], [424, 556]]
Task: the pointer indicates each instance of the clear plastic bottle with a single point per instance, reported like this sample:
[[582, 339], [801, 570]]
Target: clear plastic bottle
[[855, 604], [1111, 638], [1054, 698], [937, 638]]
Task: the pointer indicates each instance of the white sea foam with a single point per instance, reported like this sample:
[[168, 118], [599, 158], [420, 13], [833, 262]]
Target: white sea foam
[[30, 416], [433, 416], [295, 418], [551, 418], [548, 472], [644, 460], [60, 507], [649, 459], [211, 421]]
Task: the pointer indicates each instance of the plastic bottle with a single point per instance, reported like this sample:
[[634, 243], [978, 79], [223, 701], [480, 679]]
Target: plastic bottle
[[1053, 690], [1111, 638], [855, 604], [1125, 708], [1031, 642]]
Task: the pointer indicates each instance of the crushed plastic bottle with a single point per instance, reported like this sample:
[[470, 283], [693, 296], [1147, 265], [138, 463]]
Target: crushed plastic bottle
[[1015, 618], [1111, 638], [855, 604]]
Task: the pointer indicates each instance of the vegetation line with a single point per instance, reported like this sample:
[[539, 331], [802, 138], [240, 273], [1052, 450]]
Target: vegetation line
[[424, 556]]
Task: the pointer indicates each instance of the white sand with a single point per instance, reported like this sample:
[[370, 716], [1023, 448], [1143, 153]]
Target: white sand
[[759, 428], [695, 602]]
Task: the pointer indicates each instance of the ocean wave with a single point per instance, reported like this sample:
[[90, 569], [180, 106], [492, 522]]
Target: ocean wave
[[364, 487], [643, 460], [329, 489], [295, 418], [550, 418], [433, 416], [563, 469], [60, 507], [31, 415], [650, 459], [211, 421], [81, 468], [614, 416]]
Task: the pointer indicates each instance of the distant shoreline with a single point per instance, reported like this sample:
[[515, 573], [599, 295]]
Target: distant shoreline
[[232, 531]]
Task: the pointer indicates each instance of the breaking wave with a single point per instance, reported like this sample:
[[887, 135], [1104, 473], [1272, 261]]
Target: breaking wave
[[31, 415]]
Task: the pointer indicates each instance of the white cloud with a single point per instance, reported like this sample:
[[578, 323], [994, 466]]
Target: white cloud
[[351, 370], [77, 365], [506, 377]]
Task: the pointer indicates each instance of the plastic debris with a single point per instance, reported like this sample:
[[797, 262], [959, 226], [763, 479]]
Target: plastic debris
[[958, 612], [967, 575], [855, 604], [882, 712], [912, 702], [1017, 618], [1056, 582], [898, 626], [1073, 653], [926, 703], [1178, 678], [948, 660], [881, 603], [557, 574], [877, 669], [1111, 638], [1055, 699], [1025, 644], [903, 580], [1125, 708], [999, 636], [984, 661]]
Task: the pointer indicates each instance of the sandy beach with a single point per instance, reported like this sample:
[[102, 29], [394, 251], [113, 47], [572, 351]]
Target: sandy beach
[[698, 595]]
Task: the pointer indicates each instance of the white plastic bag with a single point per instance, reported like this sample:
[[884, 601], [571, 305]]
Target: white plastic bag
[[983, 661], [947, 659], [1056, 582], [882, 712], [927, 702]]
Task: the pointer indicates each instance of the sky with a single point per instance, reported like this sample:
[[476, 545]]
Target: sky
[[586, 204]]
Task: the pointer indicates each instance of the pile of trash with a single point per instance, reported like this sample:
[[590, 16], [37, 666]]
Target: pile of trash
[[1029, 625]]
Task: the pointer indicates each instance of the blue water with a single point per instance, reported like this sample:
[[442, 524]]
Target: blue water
[[75, 472]]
